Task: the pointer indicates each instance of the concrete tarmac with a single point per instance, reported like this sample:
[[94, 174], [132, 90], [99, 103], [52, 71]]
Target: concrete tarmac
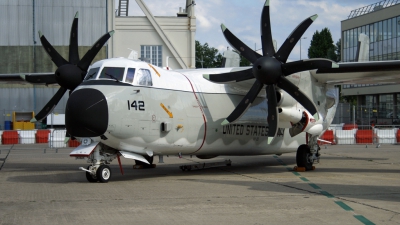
[[351, 185]]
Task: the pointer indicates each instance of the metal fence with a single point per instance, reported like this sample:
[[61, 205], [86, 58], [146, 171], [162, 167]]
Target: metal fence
[[349, 134], [368, 115], [341, 134], [54, 138]]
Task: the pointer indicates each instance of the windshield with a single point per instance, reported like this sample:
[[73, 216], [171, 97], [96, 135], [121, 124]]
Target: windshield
[[115, 73], [92, 74]]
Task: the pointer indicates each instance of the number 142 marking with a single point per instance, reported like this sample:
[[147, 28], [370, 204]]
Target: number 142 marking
[[136, 105]]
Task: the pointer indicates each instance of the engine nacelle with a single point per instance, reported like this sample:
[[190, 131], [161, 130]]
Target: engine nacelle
[[284, 100], [292, 115], [307, 124]]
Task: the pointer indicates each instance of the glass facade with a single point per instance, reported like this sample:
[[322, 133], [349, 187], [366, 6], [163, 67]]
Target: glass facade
[[384, 37]]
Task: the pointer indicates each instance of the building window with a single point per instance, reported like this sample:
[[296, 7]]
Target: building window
[[384, 40], [151, 54]]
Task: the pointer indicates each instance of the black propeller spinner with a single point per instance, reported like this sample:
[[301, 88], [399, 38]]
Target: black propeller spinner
[[270, 69], [69, 74]]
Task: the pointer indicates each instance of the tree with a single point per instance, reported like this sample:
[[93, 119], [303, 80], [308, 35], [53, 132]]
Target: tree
[[322, 45], [339, 50], [243, 61], [207, 57]]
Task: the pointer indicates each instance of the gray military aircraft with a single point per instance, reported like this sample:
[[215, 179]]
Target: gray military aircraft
[[122, 107]]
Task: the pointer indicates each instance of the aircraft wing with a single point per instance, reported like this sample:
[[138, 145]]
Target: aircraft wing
[[35, 78], [381, 72]]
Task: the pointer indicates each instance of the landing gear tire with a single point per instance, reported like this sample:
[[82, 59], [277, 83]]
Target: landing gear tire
[[103, 173], [303, 157], [90, 177]]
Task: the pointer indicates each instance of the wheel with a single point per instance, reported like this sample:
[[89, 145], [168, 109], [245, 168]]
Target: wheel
[[103, 173], [90, 177], [148, 158], [302, 157]]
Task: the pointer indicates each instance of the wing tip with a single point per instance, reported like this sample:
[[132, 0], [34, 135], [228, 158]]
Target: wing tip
[[206, 76], [266, 3], [76, 15], [33, 120]]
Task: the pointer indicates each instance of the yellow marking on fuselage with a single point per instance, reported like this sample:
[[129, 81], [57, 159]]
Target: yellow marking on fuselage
[[166, 110], [159, 75]]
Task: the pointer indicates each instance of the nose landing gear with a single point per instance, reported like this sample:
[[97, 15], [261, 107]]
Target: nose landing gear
[[308, 154], [99, 170], [103, 173]]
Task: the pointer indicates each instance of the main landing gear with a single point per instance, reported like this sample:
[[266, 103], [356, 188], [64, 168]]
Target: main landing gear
[[99, 170], [307, 155]]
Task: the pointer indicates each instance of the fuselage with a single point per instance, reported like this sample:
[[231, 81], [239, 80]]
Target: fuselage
[[145, 109]]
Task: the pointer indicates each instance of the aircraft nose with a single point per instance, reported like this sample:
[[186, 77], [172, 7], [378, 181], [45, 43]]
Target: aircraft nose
[[86, 114]]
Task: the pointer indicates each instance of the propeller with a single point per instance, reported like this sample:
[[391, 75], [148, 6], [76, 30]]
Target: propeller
[[69, 74], [270, 69]]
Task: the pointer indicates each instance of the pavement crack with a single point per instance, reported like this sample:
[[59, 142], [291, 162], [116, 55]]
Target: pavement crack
[[5, 159], [271, 182], [368, 205]]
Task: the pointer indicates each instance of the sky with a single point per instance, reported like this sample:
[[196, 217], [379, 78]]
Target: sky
[[242, 18]]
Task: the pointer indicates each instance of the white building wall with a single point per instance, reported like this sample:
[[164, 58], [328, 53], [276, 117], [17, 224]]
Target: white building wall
[[134, 31]]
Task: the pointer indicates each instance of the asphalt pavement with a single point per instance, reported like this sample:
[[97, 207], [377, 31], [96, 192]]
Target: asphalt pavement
[[352, 184]]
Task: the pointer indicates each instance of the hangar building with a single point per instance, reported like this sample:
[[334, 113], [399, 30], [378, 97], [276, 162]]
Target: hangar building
[[163, 41], [381, 23]]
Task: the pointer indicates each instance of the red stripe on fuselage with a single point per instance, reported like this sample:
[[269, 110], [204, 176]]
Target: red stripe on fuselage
[[202, 113]]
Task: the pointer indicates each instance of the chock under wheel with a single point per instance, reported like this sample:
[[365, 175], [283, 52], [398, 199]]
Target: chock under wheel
[[301, 169]]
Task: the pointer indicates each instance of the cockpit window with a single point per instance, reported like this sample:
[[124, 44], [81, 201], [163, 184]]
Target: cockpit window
[[92, 74], [115, 73], [143, 77], [129, 75]]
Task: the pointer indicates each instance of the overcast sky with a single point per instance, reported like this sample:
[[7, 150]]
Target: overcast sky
[[242, 17]]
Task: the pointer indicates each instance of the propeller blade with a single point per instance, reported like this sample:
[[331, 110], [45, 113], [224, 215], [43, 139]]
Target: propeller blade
[[299, 96], [266, 36], [73, 42], [55, 57], [237, 44], [40, 79], [244, 104], [272, 111], [89, 56], [50, 105], [236, 76], [287, 47], [307, 64]]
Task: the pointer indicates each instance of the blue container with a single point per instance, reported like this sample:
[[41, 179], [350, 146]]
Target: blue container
[[7, 125]]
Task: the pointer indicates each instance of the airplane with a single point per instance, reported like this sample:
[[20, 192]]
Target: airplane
[[130, 108]]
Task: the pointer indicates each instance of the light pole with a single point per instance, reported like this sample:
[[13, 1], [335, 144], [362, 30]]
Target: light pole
[[300, 45]]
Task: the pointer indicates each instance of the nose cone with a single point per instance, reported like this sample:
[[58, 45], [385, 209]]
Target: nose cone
[[86, 114]]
